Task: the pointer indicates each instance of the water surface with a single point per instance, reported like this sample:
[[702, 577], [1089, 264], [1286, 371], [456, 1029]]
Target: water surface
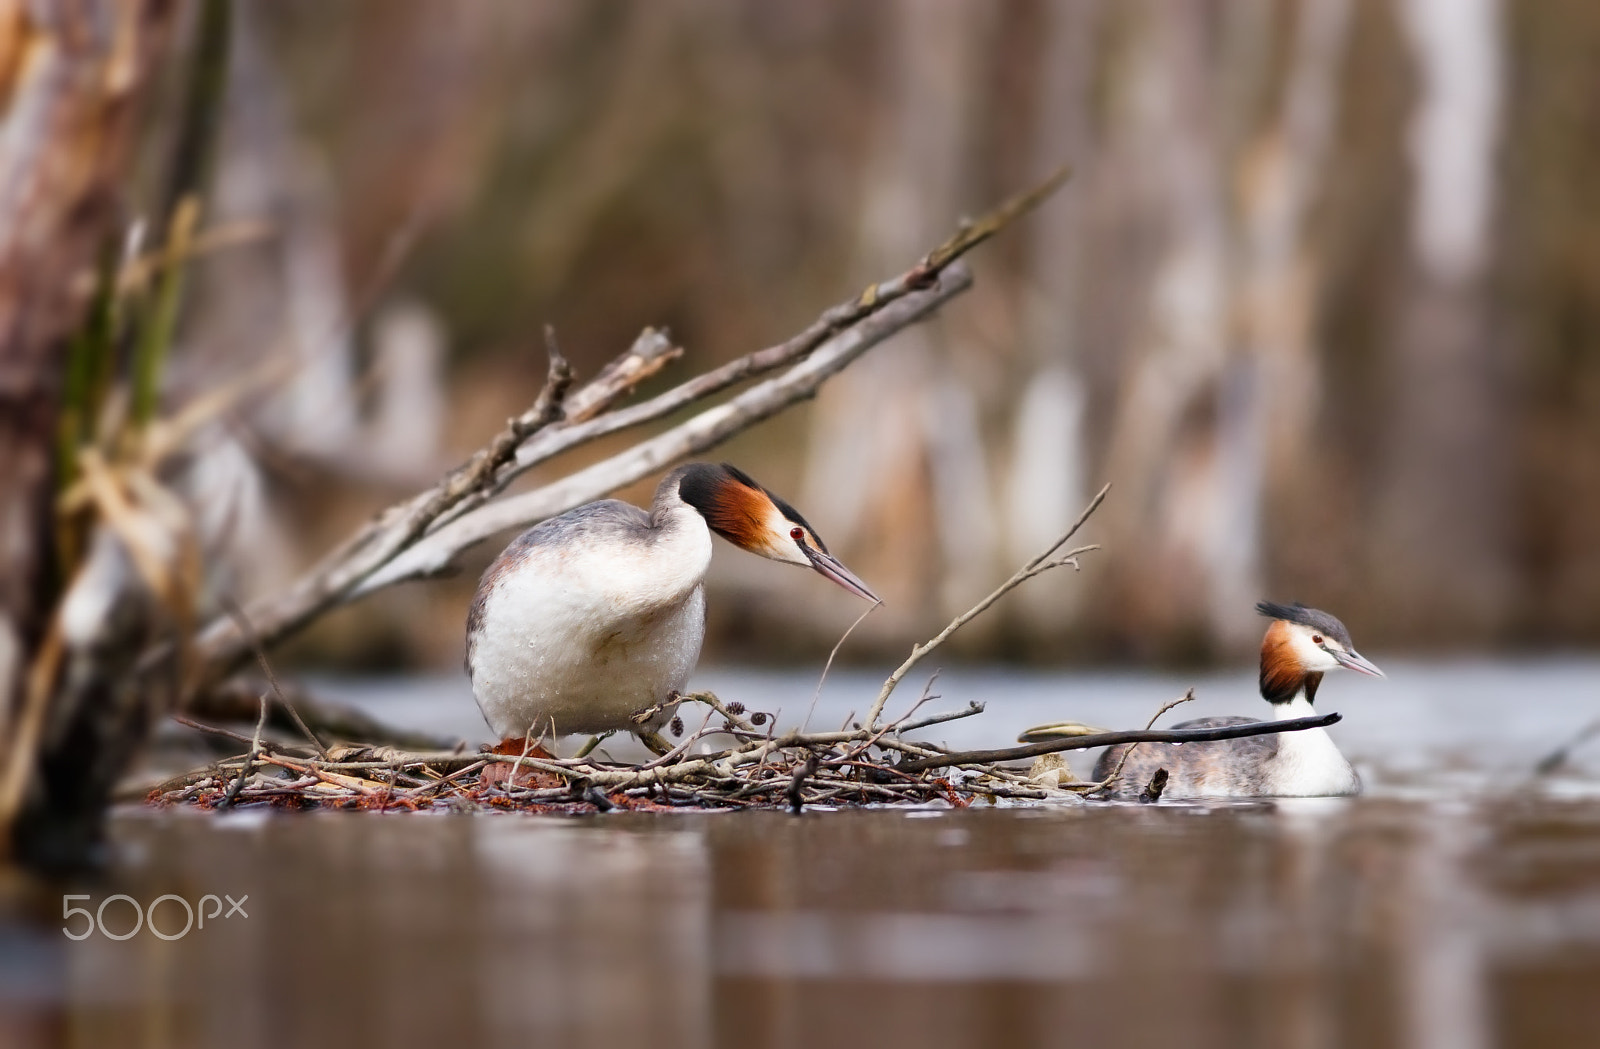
[[1457, 904]]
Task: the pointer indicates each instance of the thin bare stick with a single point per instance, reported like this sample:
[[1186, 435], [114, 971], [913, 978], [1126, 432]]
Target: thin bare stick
[[236, 701], [249, 634], [1187, 697], [939, 719], [416, 792], [682, 748], [212, 730], [355, 783], [797, 784], [815, 693], [527, 747], [922, 700], [249, 759], [1040, 564], [831, 322]]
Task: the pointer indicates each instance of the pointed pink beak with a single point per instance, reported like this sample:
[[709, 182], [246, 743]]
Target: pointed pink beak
[[830, 566], [1356, 662]]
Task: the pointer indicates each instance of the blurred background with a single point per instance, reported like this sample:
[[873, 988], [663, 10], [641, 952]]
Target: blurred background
[[1322, 300]]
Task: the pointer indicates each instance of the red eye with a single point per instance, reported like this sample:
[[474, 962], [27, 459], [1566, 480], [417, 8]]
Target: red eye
[[1316, 639], [797, 533]]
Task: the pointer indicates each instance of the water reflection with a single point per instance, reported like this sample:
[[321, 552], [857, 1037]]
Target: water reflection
[[1370, 922], [594, 936]]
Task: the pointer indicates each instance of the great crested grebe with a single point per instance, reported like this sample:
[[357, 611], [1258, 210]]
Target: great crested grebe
[[1299, 647], [591, 622]]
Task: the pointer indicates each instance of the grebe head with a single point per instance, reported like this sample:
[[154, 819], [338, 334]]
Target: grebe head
[[749, 516], [1300, 646]]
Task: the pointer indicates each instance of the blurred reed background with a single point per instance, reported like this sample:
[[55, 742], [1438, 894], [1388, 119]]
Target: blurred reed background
[[1322, 301]]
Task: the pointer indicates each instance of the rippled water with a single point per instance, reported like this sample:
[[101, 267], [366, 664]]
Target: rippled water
[[1457, 904]]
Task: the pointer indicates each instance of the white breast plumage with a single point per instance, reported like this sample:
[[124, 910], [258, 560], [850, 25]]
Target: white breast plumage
[[576, 638], [1308, 763]]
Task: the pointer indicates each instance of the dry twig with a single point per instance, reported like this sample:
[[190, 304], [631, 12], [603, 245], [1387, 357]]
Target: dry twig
[[1122, 760], [249, 760], [1044, 562], [248, 631]]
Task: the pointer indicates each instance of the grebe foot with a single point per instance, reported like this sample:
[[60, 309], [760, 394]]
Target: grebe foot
[[654, 741], [593, 742]]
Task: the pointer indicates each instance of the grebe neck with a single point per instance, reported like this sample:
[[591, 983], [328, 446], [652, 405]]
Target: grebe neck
[[1298, 707], [1298, 703]]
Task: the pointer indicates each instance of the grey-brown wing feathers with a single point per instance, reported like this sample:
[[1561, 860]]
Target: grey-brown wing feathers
[[1231, 766]]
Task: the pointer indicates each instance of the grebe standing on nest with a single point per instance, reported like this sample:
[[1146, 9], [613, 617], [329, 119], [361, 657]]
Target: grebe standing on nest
[[591, 621], [1299, 647]]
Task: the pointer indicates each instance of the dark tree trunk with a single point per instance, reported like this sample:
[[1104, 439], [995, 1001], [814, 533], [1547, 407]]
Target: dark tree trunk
[[71, 75]]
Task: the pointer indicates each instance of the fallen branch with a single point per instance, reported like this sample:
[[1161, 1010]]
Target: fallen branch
[[438, 550], [1111, 739], [423, 535], [224, 643]]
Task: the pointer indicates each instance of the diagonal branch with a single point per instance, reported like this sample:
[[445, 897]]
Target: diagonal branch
[[223, 644], [435, 552], [422, 535]]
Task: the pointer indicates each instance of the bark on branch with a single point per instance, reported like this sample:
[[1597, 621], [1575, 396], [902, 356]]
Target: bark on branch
[[423, 535], [434, 553]]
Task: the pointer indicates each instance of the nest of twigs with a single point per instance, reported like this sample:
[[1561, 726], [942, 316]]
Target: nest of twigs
[[735, 759], [749, 766]]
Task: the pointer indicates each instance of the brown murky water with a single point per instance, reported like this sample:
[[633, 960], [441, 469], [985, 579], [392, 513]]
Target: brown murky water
[[1373, 922], [1456, 906]]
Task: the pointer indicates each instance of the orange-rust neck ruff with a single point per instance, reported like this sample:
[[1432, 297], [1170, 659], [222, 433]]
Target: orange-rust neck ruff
[[1282, 677]]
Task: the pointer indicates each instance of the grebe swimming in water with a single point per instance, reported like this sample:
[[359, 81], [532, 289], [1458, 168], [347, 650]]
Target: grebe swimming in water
[[1299, 647], [592, 618]]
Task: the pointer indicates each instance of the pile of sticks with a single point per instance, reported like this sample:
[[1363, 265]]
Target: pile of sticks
[[747, 767], [855, 766]]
